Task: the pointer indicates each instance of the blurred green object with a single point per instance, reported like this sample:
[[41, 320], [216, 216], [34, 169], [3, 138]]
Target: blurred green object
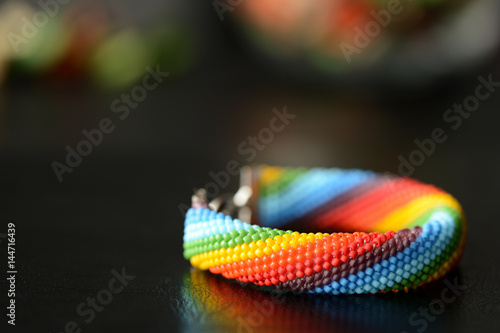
[[30, 45], [120, 59], [174, 47], [42, 51]]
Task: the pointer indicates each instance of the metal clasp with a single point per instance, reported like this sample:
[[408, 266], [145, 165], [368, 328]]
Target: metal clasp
[[237, 205]]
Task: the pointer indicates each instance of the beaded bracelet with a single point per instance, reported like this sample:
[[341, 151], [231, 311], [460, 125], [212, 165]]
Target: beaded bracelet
[[428, 240]]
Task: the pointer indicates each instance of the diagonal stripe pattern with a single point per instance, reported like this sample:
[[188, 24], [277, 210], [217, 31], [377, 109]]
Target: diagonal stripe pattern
[[403, 233]]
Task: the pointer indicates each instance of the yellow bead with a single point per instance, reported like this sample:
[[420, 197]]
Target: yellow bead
[[267, 250], [261, 244], [251, 254], [276, 248]]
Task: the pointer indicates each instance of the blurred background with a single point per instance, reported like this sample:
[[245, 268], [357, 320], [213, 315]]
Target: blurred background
[[100, 148]]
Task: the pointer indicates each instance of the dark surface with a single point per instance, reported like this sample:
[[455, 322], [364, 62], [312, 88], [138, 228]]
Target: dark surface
[[119, 208]]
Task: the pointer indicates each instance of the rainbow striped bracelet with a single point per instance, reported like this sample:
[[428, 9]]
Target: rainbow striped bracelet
[[427, 242]]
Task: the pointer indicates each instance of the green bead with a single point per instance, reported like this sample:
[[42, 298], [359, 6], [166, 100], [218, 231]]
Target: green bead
[[231, 243], [255, 237], [223, 244], [251, 231], [247, 239], [238, 240]]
